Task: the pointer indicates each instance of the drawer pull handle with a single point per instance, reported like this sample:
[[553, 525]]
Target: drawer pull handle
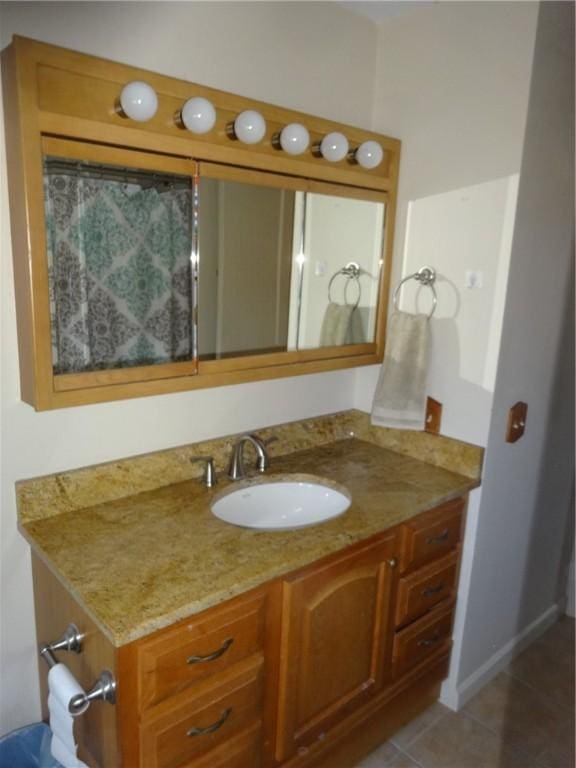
[[430, 641], [439, 538], [211, 656], [432, 590], [211, 728]]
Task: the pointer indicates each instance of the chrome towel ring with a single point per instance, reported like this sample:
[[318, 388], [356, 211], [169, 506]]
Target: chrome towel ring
[[352, 273], [426, 276]]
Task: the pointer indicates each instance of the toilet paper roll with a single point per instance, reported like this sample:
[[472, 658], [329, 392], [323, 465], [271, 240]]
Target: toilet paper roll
[[62, 686], [62, 754]]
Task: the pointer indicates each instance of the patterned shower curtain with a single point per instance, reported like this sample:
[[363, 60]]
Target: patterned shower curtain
[[119, 269]]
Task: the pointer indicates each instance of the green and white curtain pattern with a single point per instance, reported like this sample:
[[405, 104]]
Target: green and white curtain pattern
[[119, 266]]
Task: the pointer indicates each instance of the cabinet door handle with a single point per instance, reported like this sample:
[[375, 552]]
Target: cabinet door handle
[[211, 656], [432, 590], [429, 641], [211, 728], [439, 538], [392, 562]]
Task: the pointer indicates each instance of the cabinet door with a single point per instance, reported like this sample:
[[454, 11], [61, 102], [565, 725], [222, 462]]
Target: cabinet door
[[336, 641]]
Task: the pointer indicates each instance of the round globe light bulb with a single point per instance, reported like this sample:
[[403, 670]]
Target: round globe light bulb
[[198, 115], [369, 154], [250, 127], [334, 147], [294, 139], [139, 101]]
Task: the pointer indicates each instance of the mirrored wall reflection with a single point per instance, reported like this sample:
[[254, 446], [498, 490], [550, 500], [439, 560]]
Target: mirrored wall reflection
[[337, 272], [119, 246], [281, 269], [245, 257]]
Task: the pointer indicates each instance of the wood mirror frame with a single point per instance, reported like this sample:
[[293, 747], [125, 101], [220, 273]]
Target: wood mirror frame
[[53, 97]]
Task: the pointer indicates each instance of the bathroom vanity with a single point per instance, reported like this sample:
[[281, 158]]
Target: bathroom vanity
[[246, 649]]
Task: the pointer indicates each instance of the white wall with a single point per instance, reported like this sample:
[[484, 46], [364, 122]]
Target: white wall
[[246, 48], [453, 83], [466, 234], [528, 485]]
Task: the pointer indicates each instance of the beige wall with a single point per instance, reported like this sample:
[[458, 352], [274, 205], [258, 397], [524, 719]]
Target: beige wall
[[247, 48], [456, 82], [528, 485], [452, 82]]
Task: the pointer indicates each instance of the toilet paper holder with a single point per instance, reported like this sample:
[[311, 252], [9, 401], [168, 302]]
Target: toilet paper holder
[[104, 689], [105, 686], [71, 640]]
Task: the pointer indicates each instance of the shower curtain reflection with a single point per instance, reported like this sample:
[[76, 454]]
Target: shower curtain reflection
[[119, 256]]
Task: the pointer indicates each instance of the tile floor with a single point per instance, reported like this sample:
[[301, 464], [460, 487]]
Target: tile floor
[[524, 718]]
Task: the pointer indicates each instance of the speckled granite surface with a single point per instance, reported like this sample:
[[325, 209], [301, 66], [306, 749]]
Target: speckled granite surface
[[140, 562], [76, 489]]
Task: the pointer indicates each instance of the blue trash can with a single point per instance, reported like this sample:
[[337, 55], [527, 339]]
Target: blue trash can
[[28, 747]]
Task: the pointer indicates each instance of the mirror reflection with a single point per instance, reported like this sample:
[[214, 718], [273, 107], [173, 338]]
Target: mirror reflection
[[282, 269], [118, 242], [245, 257], [279, 268], [338, 271]]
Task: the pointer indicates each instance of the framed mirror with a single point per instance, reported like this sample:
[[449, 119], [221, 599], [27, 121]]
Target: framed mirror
[[119, 264], [150, 258], [284, 265]]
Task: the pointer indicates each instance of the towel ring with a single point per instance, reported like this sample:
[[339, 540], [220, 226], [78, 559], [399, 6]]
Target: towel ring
[[352, 273], [426, 276]]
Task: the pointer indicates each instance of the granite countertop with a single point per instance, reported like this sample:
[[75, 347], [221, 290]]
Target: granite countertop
[[139, 563]]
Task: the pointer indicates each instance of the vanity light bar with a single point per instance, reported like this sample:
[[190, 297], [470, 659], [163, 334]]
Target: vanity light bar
[[139, 102]]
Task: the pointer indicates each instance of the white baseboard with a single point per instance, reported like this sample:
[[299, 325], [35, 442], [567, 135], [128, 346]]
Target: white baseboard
[[456, 696]]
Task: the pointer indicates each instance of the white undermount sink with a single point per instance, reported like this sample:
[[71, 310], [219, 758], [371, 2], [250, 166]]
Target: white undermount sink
[[281, 503]]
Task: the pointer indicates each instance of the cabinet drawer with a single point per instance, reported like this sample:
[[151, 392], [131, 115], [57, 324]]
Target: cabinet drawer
[[185, 655], [243, 751], [187, 727], [425, 588], [431, 534], [422, 639]]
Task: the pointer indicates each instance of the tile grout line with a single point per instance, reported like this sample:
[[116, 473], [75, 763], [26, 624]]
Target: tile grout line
[[503, 739], [414, 760], [545, 697], [420, 733]]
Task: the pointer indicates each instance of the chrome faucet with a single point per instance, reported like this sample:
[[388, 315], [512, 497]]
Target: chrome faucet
[[236, 469]]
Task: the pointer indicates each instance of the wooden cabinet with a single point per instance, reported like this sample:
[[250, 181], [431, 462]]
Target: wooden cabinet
[[432, 534], [185, 655], [63, 105], [312, 670], [190, 726], [203, 688], [340, 611], [427, 587]]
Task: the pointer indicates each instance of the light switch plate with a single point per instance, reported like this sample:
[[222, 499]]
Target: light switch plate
[[433, 416], [516, 422]]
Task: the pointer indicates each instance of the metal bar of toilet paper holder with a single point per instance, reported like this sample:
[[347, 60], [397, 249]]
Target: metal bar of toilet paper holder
[[105, 686]]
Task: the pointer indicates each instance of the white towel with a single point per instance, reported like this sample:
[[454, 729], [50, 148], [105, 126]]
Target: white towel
[[336, 325], [400, 396]]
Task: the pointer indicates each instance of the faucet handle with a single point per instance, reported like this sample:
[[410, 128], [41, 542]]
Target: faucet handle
[[209, 476]]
